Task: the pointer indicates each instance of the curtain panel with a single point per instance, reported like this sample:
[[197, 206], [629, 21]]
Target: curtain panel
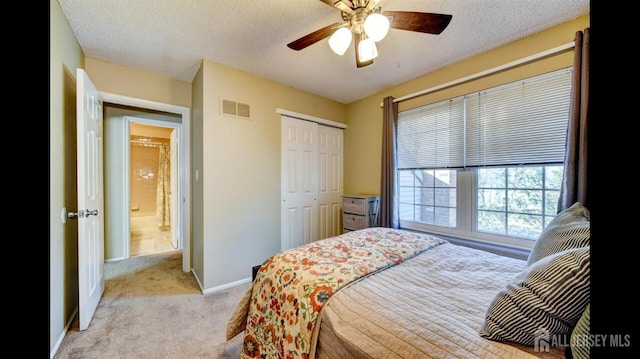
[[389, 215], [574, 184]]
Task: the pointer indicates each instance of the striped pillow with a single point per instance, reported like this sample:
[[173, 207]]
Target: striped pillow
[[544, 300], [570, 228]]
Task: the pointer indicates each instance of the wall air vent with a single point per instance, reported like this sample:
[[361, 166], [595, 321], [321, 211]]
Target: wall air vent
[[235, 109]]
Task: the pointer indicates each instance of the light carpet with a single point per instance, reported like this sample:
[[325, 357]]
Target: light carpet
[[152, 309]]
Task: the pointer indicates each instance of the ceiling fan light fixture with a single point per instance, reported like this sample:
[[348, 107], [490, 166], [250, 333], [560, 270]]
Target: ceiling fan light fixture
[[364, 23], [376, 26], [340, 40], [367, 50]]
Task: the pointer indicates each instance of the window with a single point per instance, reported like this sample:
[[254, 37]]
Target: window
[[517, 201], [486, 165], [428, 196]]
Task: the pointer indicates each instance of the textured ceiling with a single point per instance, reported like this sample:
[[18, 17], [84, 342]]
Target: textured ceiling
[[171, 37]]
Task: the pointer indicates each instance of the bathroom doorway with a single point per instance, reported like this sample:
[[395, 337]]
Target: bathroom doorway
[[153, 168], [119, 113]]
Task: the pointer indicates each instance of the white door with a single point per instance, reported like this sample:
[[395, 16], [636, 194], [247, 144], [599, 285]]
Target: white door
[[299, 182], [90, 198], [330, 158]]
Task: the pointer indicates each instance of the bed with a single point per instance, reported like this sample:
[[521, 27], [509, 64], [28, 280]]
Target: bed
[[388, 293]]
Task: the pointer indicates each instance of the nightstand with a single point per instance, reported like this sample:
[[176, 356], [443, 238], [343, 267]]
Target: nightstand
[[359, 211]]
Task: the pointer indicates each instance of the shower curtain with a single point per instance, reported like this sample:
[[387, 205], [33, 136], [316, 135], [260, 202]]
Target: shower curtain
[[163, 189]]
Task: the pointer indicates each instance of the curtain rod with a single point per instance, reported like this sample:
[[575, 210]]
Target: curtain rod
[[508, 65]]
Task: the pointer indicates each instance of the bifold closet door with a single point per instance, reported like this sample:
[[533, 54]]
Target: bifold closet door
[[330, 178], [299, 182]]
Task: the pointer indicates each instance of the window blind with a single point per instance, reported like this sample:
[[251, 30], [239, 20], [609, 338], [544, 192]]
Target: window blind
[[523, 122], [432, 136]]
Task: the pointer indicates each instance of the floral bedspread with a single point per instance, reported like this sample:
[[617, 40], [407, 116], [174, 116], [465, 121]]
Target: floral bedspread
[[292, 286]]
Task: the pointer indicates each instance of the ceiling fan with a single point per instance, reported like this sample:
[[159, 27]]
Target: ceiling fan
[[363, 21]]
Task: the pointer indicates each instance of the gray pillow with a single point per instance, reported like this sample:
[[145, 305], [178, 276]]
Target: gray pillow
[[570, 228], [546, 298]]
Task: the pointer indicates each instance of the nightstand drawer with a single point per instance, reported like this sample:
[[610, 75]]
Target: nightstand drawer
[[354, 221], [354, 205]]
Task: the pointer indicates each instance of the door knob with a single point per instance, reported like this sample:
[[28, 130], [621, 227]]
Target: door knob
[[83, 213]]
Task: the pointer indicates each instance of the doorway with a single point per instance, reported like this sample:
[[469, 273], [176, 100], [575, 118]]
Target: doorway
[[116, 164], [152, 183]]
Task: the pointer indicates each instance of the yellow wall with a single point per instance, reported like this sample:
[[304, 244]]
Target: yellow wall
[[64, 57], [363, 136], [197, 203], [125, 81], [197, 199]]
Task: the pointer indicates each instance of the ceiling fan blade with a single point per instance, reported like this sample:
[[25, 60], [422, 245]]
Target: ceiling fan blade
[[356, 43], [418, 21], [342, 5], [313, 37]]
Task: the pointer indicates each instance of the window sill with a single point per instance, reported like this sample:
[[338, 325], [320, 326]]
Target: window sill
[[517, 253]]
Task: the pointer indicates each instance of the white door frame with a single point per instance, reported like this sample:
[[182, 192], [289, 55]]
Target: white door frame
[[185, 150], [176, 187], [176, 223]]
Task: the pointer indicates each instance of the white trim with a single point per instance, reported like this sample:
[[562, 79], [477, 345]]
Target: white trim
[[126, 186], [311, 118], [555, 50], [227, 286], [185, 147], [127, 169], [63, 334], [151, 122]]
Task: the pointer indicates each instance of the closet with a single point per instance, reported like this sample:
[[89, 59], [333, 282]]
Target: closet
[[311, 179]]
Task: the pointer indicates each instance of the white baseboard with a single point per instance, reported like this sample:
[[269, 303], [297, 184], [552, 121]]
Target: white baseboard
[[220, 288], [55, 348]]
